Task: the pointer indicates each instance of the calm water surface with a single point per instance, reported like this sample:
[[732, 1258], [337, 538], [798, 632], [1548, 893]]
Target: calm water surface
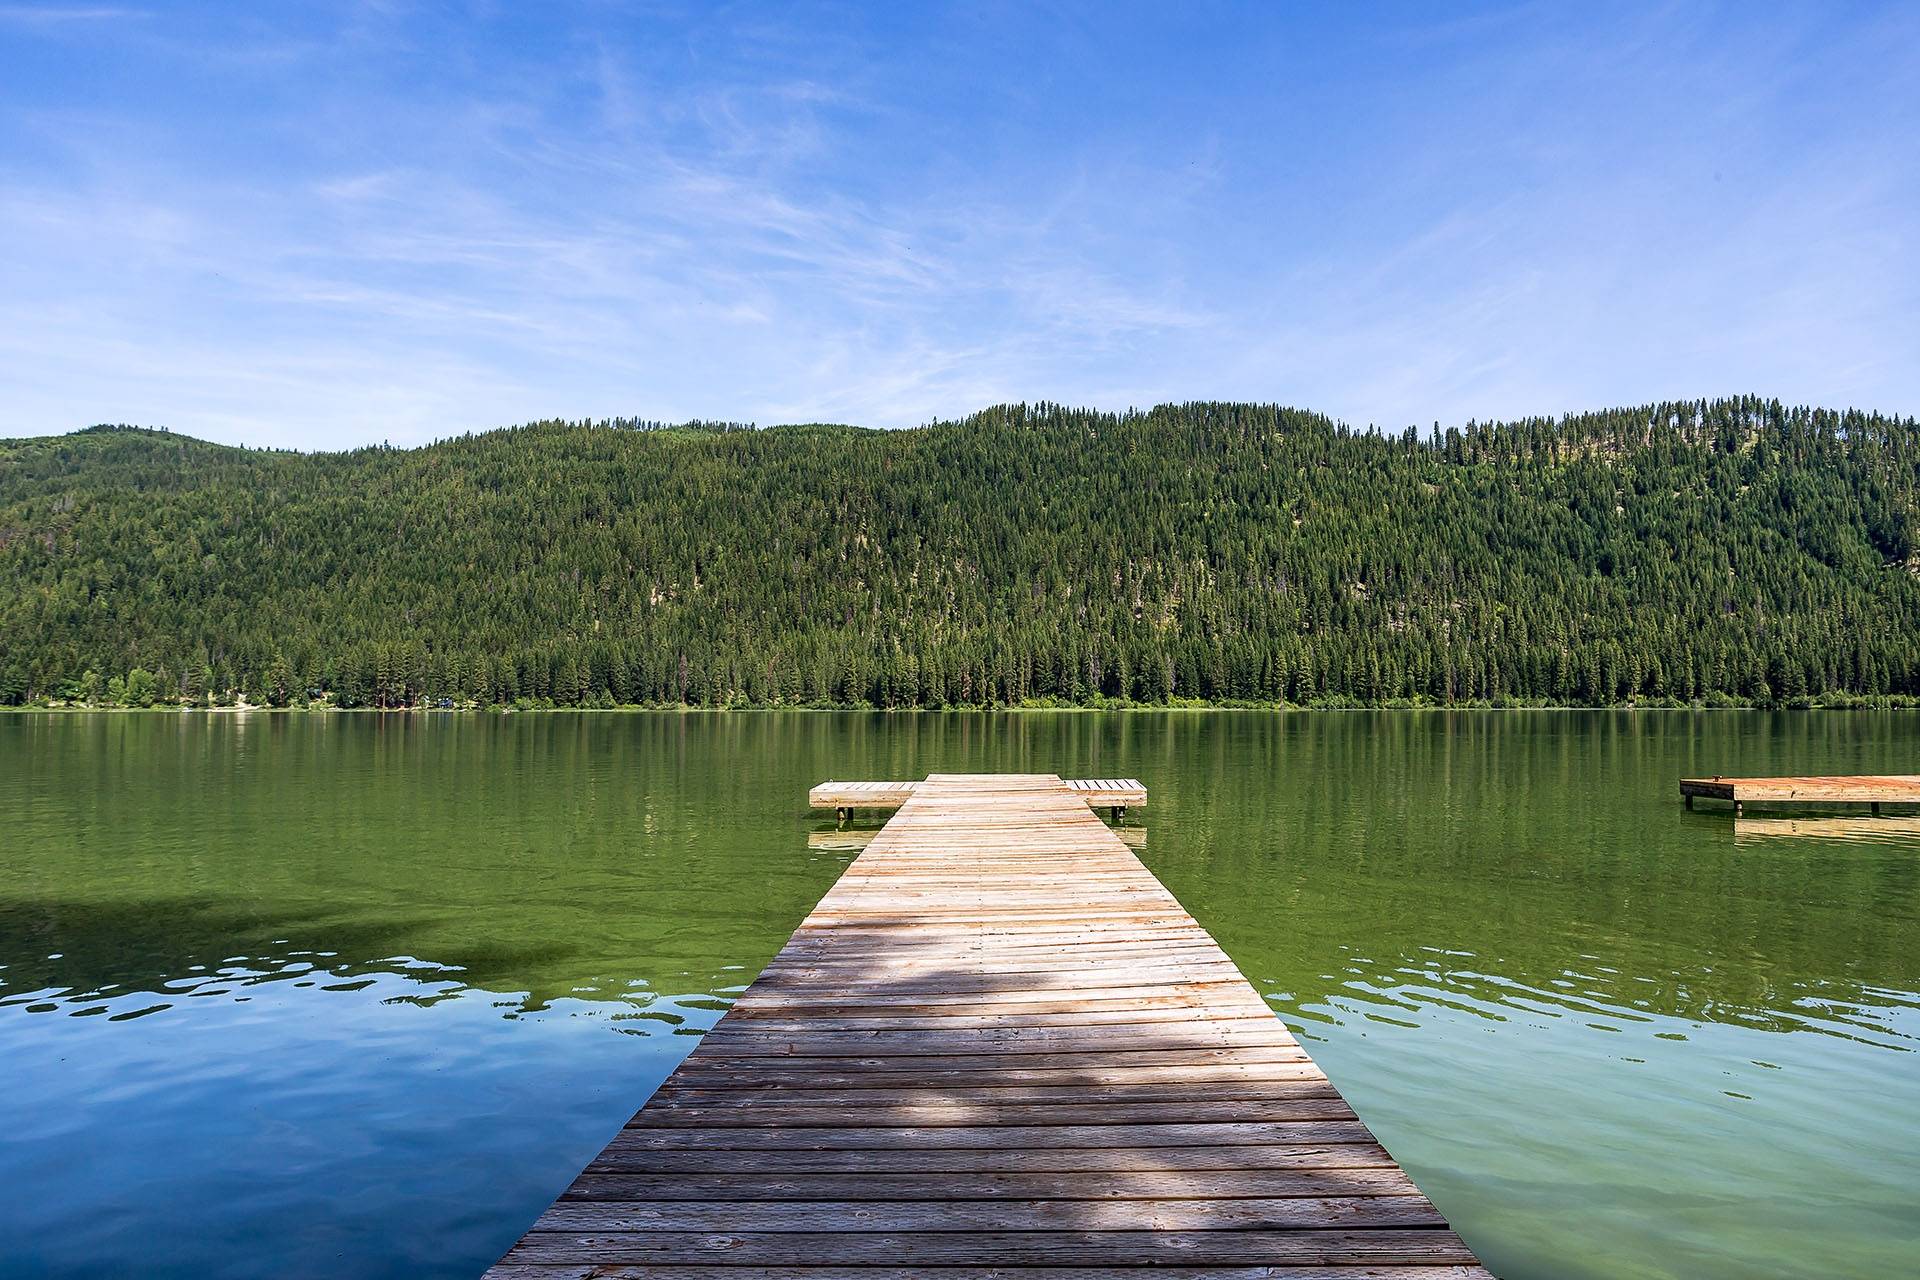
[[357, 995]]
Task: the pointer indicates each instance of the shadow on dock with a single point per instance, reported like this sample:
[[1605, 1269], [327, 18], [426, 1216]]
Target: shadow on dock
[[970, 1127]]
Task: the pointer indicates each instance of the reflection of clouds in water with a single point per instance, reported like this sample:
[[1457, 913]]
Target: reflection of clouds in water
[[1396, 992], [391, 980], [125, 960]]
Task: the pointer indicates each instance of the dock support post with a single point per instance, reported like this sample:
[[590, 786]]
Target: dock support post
[[1689, 799], [1876, 808], [1738, 808], [842, 813], [1119, 813]]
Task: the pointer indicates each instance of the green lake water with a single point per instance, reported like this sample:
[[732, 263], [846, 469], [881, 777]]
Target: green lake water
[[357, 995]]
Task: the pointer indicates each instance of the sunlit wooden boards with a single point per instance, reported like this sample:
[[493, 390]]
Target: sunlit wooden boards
[[998, 1047], [1098, 793], [1859, 789], [1101, 793], [860, 795]]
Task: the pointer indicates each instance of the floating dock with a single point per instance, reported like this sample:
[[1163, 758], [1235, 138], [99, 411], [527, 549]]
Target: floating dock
[[1868, 789], [998, 1047]]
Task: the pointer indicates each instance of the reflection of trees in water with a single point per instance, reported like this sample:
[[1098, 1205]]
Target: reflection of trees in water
[[1710, 941], [1531, 862], [76, 957], [1496, 860]]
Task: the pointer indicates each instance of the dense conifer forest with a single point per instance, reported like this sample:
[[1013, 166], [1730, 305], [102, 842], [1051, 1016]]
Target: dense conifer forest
[[1717, 552]]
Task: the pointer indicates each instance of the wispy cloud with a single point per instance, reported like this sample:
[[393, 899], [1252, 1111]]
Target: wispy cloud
[[51, 15]]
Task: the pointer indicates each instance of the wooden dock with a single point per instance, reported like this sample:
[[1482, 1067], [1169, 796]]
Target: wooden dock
[[1117, 794], [1868, 789], [998, 1047]]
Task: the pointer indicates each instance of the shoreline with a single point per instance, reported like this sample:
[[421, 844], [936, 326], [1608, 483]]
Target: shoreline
[[1903, 705]]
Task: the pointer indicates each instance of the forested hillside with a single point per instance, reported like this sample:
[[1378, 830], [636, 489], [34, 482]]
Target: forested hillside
[[1225, 552]]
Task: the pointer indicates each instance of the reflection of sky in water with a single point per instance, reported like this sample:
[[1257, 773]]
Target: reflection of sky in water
[[278, 1113], [296, 1096], [399, 980]]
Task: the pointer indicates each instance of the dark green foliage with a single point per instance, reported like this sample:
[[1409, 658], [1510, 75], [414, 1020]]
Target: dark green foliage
[[1733, 550]]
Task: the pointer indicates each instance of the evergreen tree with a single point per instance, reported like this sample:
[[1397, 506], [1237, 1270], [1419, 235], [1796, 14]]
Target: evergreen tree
[[279, 681]]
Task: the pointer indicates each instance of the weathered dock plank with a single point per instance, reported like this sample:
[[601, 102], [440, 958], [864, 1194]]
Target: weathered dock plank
[[1868, 789], [997, 1047], [1099, 793]]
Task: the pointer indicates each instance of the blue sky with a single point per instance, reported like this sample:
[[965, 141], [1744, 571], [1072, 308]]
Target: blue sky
[[326, 225]]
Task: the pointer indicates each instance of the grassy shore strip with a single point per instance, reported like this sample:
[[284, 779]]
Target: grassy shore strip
[[1834, 702]]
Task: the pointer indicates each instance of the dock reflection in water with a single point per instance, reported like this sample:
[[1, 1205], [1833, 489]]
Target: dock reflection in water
[[1898, 831]]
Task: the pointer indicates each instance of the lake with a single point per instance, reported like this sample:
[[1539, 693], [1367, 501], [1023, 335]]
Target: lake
[[357, 995]]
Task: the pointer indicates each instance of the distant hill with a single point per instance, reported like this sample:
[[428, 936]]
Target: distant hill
[[1725, 550]]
